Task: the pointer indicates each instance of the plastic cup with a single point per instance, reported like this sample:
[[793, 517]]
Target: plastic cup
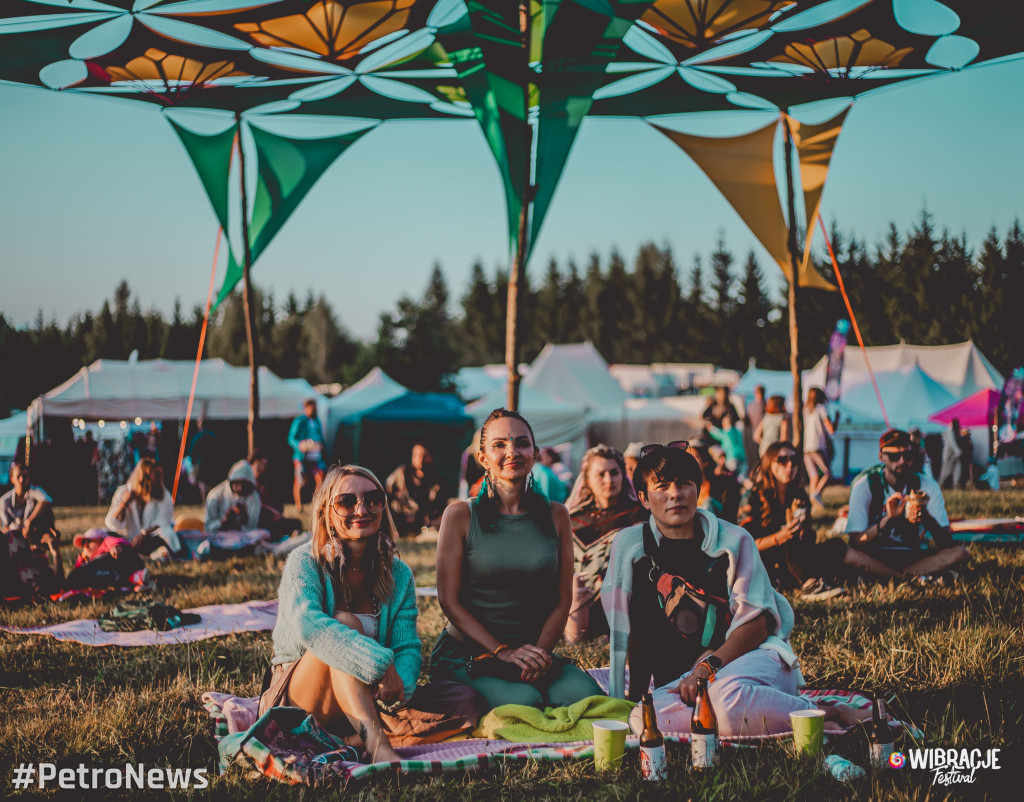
[[609, 743], [808, 730]]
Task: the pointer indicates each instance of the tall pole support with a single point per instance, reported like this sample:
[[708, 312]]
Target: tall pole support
[[794, 279], [519, 263], [249, 301]]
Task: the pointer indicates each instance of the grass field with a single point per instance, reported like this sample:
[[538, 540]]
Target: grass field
[[953, 658]]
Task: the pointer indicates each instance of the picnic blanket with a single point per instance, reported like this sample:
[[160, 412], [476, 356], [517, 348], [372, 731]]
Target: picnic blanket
[[236, 718], [989, 530], [525, 724], [221, 545], [215, 620]]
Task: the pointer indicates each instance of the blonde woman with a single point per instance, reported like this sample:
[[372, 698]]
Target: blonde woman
[[142, 510], [345, 642]]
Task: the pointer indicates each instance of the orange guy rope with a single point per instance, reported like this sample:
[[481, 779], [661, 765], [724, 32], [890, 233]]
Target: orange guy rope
[[853, 319], [195, 370]]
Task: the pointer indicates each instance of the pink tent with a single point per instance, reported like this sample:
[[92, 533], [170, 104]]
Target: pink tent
[[978, 409]]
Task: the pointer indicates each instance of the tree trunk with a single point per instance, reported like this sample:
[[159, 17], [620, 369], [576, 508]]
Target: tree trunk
[[249, 302], [519, 264], [794, 268]]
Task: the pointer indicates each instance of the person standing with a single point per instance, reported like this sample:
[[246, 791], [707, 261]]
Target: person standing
[[952, 456], [818, 431], [752, 415], [306, 437]]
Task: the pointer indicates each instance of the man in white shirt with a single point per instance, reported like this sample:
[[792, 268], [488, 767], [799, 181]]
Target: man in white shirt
[[892, 511]]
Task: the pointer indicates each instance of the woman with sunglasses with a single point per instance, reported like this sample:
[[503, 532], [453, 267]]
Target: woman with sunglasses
[[688, 598], [345, 642], [504, 579], [601, 503], [774, 510]]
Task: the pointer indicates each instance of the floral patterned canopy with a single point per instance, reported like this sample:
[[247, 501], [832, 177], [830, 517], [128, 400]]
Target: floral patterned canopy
[[442, 59]]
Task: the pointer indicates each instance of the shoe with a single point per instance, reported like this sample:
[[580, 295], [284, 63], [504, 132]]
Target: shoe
[[948, 579], [819, 589]]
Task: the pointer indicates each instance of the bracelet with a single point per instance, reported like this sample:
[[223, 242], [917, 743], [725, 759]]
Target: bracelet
[[707, 665], [500, 648]]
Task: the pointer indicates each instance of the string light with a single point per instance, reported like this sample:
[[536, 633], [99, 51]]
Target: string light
[[138, 421], [102, 423]]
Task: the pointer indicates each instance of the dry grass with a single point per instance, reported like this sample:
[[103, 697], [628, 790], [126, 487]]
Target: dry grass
[[954, 659]]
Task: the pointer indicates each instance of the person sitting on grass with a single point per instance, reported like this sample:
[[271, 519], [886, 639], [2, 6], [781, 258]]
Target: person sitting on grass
[[504, 579], [234, 505], [892, 511], [345, 642], [142, 511], [415, 492], [105, 560], [30, 571], [687, 596], [775, 510], [601, 504], [26, 507]]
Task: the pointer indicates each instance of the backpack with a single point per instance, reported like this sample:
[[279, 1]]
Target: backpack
[[876, 484]]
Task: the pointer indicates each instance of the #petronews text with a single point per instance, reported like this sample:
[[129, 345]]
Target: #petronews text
[[131, 776], [951, 766]]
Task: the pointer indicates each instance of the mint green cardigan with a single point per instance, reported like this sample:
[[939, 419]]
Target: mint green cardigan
[[305, 622]]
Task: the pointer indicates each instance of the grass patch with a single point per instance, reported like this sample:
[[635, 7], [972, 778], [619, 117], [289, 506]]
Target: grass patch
[[953, 659]]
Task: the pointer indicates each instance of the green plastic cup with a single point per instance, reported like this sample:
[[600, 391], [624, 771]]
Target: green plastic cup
[[808, 730], [609, 743]]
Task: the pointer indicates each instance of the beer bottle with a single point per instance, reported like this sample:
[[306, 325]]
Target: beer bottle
[[703, 729], [653, 764], [881, 734]]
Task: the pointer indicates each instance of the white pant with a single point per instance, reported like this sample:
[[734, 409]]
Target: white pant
[[752, 695]]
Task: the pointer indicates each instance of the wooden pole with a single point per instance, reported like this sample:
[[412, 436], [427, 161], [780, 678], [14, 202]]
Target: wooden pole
[[249, 301], [519, 263], [794, 270]]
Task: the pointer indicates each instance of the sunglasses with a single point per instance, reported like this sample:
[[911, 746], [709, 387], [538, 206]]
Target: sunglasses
[[681, 445], [785, 459], [897, 456], [373, 500]]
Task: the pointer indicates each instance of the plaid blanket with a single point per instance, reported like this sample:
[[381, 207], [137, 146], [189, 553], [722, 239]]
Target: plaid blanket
[[235, 722]]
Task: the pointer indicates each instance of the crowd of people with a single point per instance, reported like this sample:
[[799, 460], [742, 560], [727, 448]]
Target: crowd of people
[[676, 553]]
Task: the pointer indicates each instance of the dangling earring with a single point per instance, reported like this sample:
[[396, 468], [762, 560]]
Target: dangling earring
[[529, 482], [489, 480]]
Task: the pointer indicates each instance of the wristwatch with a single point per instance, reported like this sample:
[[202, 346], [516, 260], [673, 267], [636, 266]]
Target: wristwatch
[[713, 663]]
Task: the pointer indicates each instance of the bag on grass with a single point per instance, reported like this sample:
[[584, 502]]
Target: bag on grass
[[126, 617]]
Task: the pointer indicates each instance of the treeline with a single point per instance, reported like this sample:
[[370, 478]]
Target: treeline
[[923, 287]]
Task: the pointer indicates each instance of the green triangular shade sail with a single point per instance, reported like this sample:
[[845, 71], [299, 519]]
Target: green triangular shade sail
[[287, 170], [211, 156]]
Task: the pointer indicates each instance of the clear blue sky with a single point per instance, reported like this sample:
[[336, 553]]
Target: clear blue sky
[[96, 190]]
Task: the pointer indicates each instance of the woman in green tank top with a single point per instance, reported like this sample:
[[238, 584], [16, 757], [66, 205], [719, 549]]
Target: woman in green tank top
[[504, 579]]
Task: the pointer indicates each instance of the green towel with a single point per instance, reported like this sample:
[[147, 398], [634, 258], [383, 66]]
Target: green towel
[[525, 724]]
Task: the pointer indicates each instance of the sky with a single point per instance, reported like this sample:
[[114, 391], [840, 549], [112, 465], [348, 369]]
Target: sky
[[95, 190]]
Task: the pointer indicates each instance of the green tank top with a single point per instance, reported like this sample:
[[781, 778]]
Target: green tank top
[[510, 577]]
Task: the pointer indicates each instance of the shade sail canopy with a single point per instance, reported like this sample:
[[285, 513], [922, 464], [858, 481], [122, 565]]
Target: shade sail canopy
[[158, 389], [978, 409]]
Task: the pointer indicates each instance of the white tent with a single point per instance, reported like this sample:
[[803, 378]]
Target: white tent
[[644, 381], [649, 420], [910, 395], [475, 382], [960, 368], [371, 391], [158, 389], [576, 374]]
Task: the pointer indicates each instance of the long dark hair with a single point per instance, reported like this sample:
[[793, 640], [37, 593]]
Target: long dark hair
[[538, 507], [772, 505]]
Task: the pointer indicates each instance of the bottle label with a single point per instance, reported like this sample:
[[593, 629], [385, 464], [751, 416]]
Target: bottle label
[[880, 754], [653, 764], [703, 750]]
